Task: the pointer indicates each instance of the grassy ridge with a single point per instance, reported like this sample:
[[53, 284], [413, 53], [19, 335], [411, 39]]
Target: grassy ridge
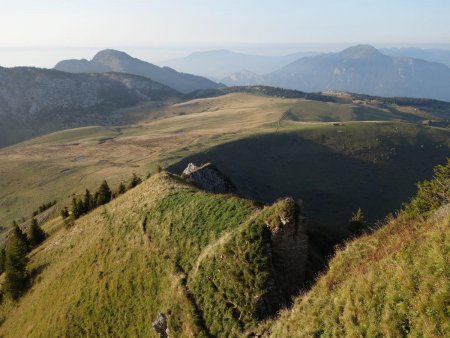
[[118, 282], [146, 252]]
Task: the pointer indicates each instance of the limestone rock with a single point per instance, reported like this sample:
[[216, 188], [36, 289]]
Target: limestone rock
[[160, 326], [209, 178]]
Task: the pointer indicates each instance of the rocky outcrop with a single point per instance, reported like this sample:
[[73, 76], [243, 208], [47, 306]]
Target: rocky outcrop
[[160, 326], [289, 244], [209, 178]]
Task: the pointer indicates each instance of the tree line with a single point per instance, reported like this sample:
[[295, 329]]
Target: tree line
[[83, 205]]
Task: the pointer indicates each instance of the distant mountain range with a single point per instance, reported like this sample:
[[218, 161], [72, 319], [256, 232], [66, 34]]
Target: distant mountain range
[[110, 60], [432, 55], [219, 64], [35, 101], [358, 69]]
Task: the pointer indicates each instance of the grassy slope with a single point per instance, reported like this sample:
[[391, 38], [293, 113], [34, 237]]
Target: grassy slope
[[117, 280], [58, 164], [122, 264], [394, 283]]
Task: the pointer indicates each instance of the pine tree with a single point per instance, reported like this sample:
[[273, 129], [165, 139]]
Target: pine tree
[[20, 234], [77, 208], [64, 213], [17, 276], [104, 194], [135, 180], [122, 188], [2, 260], [88, 203], [37, 235]]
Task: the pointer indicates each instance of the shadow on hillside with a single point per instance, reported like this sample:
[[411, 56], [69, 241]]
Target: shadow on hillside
[[34, 274], [332, 182]]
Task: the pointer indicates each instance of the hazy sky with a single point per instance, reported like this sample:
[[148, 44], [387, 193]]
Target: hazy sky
[[165, 28]]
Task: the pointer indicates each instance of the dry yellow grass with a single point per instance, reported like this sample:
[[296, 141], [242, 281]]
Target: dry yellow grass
[[58, 164], [102, 277]]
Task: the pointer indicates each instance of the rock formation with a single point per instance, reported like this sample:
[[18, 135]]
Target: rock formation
[[289, 243], [160, 326], [209, 178]]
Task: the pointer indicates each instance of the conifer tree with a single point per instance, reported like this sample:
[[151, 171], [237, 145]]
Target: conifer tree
[[64, 213], [104, 194], [2, 260], [37, 235], [88, 203], [17, 276], [20, 234], [122, 188], [135, 180], [77, 208]]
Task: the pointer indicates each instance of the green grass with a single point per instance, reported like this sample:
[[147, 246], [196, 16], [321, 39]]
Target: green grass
[[237, 284], [189, 220]]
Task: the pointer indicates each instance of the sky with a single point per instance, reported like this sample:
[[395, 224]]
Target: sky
[[41, 32]]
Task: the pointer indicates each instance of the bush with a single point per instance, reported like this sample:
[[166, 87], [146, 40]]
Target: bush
[[433, 193]]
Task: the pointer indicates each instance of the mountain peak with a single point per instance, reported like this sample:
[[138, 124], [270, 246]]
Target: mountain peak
[[106, 54], [360, 51]]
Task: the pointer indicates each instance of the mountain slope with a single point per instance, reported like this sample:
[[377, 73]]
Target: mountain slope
[[90, 154], [393, 283], [149, 252], [35, 101], [110, 60], [222, 63], [363, 69]]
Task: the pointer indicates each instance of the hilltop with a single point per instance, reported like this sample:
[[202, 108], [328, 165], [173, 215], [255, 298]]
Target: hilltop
[[110, 60]]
